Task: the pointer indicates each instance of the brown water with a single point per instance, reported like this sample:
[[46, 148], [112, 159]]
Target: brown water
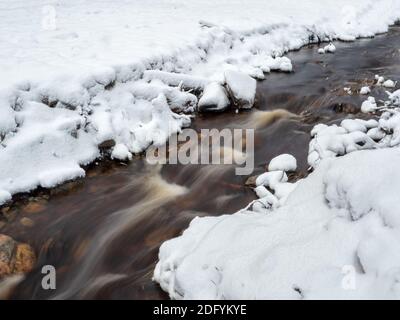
[[103, 233]]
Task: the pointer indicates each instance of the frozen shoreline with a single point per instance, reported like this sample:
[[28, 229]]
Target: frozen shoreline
[[333, 235], [53, 125]]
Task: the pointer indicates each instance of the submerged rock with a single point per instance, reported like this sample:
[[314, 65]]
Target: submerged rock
[[26, 222], [15, 258]]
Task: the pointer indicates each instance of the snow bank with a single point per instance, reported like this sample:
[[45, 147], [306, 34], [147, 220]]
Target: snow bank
[[332, 235], [342, 216], [78, 78], [356, 134]]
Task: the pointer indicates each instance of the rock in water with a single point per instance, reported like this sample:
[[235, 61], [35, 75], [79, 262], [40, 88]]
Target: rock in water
[[24, 259], [369, 105], [214, 98], [365, 90], [330, 48], [7, 246], [389, 84], [15, 258], [241, 88], [121, 152]]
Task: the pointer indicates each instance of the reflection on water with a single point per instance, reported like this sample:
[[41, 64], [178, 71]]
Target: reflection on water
[[103, 233]]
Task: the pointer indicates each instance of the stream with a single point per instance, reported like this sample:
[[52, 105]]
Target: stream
[[102, 233]]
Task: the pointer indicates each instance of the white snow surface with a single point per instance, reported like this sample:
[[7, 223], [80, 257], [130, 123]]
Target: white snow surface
[[283, 162], [76, 74], [342, 217]]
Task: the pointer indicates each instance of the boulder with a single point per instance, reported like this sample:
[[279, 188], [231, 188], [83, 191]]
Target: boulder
[[15, 257]]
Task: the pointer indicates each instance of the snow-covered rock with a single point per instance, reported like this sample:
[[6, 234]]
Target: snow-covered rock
[[394, 98], [369, 105], [241, 88], [271, 179], [352, 125], [379, 80], [365, 90], [389, 84], [330, 48], [347, 90], [283, 162], [321, 50], [121, 152], [214, 98], [281, 64]]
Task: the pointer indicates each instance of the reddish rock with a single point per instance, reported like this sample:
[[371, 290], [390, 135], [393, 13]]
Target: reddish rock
[[15, 258]]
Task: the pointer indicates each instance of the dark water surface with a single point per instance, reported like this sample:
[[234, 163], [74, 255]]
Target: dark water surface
[[103, 233]]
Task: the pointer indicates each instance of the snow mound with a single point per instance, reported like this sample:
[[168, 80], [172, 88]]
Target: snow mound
[[214, 98], [121, 152], [241, 87], [369, 105], [330, 48], [283, 162], [389, 84], [365, 90]]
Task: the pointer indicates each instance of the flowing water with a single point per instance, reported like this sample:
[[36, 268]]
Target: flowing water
[[103, 233]]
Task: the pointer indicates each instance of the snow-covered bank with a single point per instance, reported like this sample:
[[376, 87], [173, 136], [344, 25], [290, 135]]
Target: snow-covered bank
[[332, 235], [341, 216], [93, 80]]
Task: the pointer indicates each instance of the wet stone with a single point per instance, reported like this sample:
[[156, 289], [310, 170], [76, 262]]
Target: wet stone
[[26, 222], [8, 214], [107, 144], [7, 247], [15, 258], [251, 181], [35, 207], [345, 108], [66, 187]]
